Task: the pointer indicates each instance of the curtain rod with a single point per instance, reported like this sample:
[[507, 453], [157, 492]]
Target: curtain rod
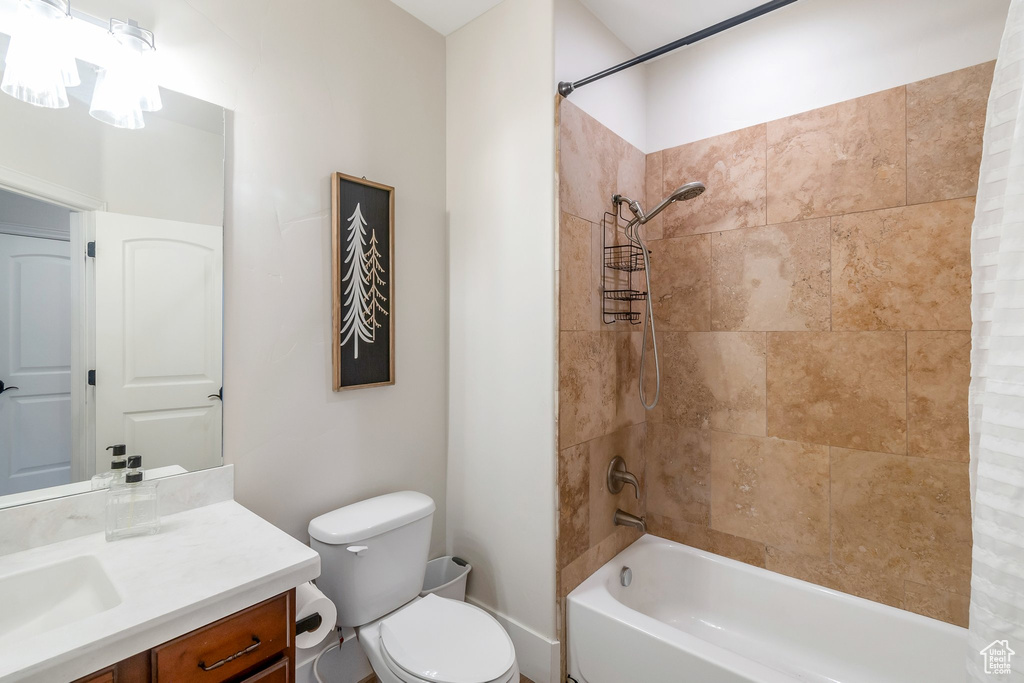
[[565, 88]]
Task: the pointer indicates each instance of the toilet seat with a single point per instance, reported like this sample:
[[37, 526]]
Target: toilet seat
[[445, 641]]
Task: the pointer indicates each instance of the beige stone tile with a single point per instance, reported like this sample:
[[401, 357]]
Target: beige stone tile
[[938, 378], [594, 164], [578, 298], [587, 387], [681, 283], [772, 278], [732, 166], [704, 538], [628, 409], [903, 516], [838, 159], [653, 184], [945, 125], [627, 442], [937, 604], [871, 585], [577, 571], [712, 380], [838, 388], [573, 503], [678, 468], [770, 490], [598, 375], [903, 269]]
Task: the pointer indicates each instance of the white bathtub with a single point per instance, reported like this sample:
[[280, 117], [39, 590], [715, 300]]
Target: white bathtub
[[693, 617]]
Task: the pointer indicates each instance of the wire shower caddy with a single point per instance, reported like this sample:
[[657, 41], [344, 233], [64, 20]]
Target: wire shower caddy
[[620, 261]]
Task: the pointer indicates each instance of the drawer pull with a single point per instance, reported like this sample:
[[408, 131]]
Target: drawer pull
[[240, 653]]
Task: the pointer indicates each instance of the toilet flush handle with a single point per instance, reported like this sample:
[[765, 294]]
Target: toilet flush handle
[[357, 549]]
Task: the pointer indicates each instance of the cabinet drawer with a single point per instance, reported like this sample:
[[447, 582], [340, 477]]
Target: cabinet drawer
[[277, 673], [228, 647], [105, 677]]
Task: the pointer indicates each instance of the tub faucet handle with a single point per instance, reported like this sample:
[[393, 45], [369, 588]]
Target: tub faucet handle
[[618, 476]]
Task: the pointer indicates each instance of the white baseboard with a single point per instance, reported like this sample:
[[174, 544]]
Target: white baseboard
[[539, 657]]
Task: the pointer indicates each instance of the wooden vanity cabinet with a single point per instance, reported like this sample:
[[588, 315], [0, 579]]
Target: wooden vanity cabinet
[[256, 645]]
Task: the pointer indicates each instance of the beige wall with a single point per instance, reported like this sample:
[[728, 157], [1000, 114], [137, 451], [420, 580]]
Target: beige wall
[[813, 311], [500, 186], [307, 99]]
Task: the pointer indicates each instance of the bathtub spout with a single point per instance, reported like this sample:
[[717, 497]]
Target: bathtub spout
[[623, 518]]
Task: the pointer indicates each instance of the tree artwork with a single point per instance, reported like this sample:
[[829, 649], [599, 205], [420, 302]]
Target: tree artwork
[[355, 325], [362, 283], [374, 272]]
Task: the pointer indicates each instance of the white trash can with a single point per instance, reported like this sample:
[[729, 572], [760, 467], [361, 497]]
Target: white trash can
[[446, 578]]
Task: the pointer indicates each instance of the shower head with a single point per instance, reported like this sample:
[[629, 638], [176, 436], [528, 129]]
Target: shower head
[[682, 193], [687, 192]]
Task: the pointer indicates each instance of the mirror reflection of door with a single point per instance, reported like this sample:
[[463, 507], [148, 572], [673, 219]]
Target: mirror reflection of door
[[158, 339], [35, 344]]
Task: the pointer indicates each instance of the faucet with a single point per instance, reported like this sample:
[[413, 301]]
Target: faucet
[[618, 476], [623, 518]]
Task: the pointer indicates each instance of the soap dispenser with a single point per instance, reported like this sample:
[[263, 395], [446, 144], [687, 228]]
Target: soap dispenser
[[132, 508], [115, 477]]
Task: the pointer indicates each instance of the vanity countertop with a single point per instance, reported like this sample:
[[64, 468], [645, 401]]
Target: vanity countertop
[[205, 564]]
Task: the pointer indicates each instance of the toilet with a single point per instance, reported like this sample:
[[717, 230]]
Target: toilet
[[373, 558]]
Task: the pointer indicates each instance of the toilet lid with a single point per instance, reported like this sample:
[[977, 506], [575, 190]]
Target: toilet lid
[[443, 640]]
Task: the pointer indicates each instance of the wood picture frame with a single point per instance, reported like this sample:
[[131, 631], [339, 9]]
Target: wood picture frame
[[362, 283]]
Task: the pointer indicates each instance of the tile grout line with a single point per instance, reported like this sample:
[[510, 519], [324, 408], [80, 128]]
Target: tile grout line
[[906, 390]]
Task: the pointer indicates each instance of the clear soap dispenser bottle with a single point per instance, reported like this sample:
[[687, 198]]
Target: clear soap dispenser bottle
[[132, 508], [115, 477]]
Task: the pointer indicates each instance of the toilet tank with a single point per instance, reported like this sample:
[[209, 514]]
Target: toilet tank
[[373, 554]]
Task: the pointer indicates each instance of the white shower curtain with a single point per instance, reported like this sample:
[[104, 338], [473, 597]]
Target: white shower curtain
[[997, 372]]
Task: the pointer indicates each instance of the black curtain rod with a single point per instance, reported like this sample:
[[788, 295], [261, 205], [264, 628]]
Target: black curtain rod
[[565, 88]]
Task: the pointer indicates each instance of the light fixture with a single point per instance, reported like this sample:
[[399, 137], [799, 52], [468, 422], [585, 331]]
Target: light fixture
[[125, 85], [39, 66]]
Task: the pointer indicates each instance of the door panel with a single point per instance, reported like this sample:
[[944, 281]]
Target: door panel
[[35, 356], [158, 339], [195, 432]]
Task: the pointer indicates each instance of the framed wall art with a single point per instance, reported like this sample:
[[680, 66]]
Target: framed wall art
[[362, 282]]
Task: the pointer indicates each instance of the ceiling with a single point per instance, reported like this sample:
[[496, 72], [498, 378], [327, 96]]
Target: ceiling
[[641, 24], [444, 16]]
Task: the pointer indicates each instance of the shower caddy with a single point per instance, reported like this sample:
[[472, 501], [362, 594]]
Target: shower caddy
[[617, 304]]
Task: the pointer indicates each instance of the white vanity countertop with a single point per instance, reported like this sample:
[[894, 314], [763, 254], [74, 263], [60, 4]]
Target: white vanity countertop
[[205, 564]]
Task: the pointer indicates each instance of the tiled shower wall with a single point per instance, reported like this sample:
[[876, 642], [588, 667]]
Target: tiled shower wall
[[814, 326]]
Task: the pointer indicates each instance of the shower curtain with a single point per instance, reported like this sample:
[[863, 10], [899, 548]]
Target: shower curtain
[[997, 376]]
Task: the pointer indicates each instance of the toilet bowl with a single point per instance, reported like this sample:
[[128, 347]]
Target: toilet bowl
[[439, 640], [373, 560]]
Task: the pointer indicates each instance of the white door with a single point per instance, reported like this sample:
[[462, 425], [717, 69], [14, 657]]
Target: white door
[[35, 357], [158, 302]]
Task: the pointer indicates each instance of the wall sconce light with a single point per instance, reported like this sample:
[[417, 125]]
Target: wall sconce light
[[126, 86], [39, 66]]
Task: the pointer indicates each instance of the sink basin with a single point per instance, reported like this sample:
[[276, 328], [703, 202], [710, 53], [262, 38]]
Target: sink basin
[[45, 598]]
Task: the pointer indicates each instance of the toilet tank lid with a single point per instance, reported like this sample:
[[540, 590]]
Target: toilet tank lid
[[369, 518]]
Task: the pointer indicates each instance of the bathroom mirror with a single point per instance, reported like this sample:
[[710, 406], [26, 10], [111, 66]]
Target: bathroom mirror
[[111, 245]]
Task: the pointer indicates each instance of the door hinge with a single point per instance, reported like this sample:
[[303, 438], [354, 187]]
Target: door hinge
[[92, 378], [90, 250]]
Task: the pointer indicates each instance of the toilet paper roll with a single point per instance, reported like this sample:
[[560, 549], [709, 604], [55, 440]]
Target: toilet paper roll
[[309, 600]]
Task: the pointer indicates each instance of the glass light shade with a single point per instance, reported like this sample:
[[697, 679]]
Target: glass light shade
[[39, 66], [126, 87]]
